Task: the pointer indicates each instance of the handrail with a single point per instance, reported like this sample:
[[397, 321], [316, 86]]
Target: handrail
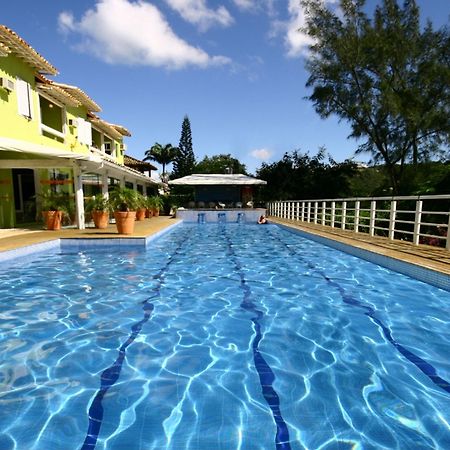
[[52, 131], [428, 225]]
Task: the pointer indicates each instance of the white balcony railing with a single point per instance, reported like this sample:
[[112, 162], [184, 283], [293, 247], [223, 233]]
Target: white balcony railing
[[418, 219], [52, 131], [102, 154]]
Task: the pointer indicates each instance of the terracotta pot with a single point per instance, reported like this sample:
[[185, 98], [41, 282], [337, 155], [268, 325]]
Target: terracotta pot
[[52, 219], [125, 221], [155, 212], [101, 219], [148, 213], [140, 214]]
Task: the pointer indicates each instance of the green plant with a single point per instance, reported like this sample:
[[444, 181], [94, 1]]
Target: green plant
[[98, 203], [123, 199], [156, 202], [141, 201], [54, 201]]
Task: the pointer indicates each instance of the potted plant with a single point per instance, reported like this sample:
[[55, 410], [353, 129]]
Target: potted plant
[[124, 203], [149, 207], [100, 207], [142, 206], [157, 203], [54, 206]]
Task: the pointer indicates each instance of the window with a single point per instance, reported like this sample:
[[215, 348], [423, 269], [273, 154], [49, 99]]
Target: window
[[24, 99]]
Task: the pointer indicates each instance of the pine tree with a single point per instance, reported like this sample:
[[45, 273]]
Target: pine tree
[[184, 163]]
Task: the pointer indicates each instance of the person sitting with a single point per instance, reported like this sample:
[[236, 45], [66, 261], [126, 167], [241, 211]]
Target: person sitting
[[262, 219]]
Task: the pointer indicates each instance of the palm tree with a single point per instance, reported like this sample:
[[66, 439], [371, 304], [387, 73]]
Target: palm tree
[[162, 155]]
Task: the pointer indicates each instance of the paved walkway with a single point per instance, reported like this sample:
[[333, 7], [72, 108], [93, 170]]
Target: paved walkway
[[434, 258], [15, 238]]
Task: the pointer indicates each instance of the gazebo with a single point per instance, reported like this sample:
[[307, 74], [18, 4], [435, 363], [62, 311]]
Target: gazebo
[[223, 189], [231, 194]]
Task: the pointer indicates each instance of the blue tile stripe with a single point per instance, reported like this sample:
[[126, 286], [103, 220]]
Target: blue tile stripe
[[110, 375], [421, 364], [265, 373], [108, 379]]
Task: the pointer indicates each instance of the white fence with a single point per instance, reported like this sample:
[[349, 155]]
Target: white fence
[[418, 219]]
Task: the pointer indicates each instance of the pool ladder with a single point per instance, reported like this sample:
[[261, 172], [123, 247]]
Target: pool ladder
[[240, 217], [221, 217], [201, 218]]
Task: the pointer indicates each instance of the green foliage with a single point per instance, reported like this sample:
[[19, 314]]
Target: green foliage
[[386, 76], [184, 162], [98, 203], [123, 199], [299, 176], [162, 154], [155, 202], [55, 201], [220, 164]]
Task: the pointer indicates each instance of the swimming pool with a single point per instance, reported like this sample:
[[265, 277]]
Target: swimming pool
[[221, 337]]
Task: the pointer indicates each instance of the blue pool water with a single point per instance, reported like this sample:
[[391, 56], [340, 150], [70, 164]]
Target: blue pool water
[[221, 337]]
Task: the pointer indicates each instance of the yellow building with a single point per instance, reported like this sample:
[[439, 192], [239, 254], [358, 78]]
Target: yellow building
[[51, 138]]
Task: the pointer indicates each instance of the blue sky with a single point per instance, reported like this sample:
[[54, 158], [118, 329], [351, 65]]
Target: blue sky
[[235, 67]]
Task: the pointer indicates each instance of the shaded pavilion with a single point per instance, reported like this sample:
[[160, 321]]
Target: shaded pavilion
[[221, 189]]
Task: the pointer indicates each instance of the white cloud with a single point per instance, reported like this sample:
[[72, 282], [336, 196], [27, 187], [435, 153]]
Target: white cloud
[[198, 13], [66, 22], [245, 4], [296, 42], [134, 33], [261, 153], [257, 5]]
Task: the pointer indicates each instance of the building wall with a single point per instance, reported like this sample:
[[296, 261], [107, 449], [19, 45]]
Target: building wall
[[7, 208], [16, 126]]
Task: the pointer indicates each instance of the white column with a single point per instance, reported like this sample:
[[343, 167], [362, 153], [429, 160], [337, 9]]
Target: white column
[[79, 200], [37, 188], [333, 213], [417, 222], [392, 218], [373, 211], [105, 184], [344, 215], [357, 210], [316, 211], [324, 211]]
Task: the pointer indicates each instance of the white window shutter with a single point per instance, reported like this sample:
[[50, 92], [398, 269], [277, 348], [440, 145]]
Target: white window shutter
[[23, 98], [84, 132], [88, 133]]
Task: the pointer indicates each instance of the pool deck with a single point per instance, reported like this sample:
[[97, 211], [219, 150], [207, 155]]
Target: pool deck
[[434, 258], [16, 238]]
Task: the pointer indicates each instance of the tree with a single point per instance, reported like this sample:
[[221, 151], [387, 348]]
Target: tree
[[162, 155], [184, 162], [220, 164], [298, 176], [389, 79]]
